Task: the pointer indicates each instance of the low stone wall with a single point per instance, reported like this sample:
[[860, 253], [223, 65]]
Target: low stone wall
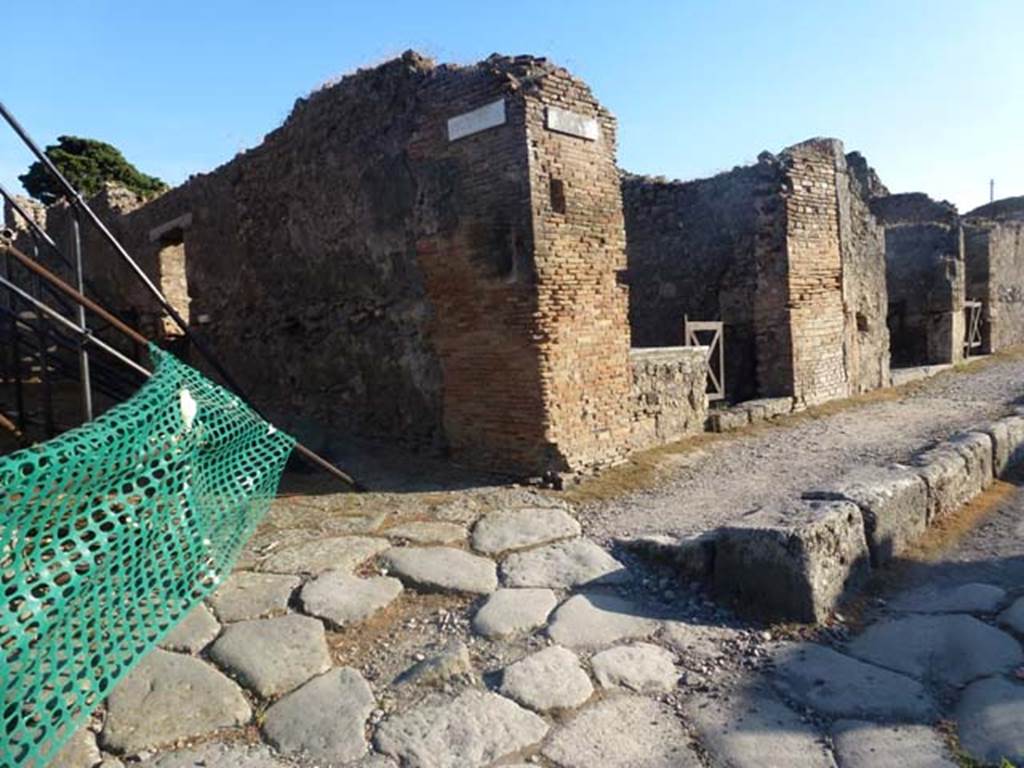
[[669, 393], [796, 561]]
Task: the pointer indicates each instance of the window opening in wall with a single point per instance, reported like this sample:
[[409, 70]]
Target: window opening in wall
[[557, 195]]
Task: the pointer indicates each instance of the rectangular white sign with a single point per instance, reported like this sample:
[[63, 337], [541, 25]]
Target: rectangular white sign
[[480, 119], [572, 123]]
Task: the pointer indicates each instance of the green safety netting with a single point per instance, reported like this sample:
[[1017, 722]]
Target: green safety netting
[[109, 534]]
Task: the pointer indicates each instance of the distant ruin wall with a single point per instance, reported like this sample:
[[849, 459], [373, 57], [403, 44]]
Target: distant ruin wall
[[994, 255], [669, 399], [925, 277]]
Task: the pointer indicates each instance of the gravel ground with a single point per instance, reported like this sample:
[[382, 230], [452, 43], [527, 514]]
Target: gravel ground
[[722, 480]]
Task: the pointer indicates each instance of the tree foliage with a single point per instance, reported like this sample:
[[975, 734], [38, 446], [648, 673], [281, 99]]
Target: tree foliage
[[88, 164]]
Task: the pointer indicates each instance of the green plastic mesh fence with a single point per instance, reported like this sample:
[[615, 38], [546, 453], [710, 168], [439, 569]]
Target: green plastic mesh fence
[[109, 534]]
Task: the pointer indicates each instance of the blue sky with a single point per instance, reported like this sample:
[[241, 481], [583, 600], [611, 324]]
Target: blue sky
[[931, 92]]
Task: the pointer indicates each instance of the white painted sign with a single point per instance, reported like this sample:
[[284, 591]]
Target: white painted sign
[[572, 123], [480, 119]]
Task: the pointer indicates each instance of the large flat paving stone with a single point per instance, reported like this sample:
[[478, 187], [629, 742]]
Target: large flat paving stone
[[751, 727], [1013, 617], [793, 561], [509, 530], [193, 633], [80, 751], [622, 732], [893, 501], [514, 612], [548, 680], [342, 599], [860, 744], [273, 656], [965, 598], [340, 553], [168, 697], [249, 595], [427, 532], [324, 720], [563, 565], [471, 730], [990, 720], [950, 649], [840, 686], [596, 620], [217, 755], [444, 569], [640, 667]]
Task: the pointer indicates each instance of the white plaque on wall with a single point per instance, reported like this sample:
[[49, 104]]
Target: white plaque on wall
[[480, 119], [572, 123]]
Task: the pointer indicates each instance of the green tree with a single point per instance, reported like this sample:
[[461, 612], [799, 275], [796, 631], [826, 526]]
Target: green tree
[[88, 164]]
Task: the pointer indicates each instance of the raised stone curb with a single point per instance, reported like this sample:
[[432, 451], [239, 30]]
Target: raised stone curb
[[792, 562]]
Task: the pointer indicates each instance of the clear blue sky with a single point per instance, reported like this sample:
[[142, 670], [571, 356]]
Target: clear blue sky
[[932, 92]]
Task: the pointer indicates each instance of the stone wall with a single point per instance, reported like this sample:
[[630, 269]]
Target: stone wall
[[994, 256], [421, 252], [784, 252], [925, 277], [669, 399]]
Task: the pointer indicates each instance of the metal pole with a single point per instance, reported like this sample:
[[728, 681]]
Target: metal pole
[[79, 203], [81, 300], [42, 328], [83, 355]]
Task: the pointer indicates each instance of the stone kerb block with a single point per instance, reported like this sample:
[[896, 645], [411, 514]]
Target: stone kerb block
[[1007, 435], [944, 471], [792, 562], [893, 501], [976, 448]]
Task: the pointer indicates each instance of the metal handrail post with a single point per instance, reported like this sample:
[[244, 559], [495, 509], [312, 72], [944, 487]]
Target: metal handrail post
[[83, 354]]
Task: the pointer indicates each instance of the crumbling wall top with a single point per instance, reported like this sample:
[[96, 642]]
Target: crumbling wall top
[[914, 208], [1007, 209]]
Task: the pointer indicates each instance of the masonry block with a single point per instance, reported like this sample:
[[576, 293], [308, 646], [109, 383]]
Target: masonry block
[[792, 562], [944, 471], [976, 448], [893, 501]]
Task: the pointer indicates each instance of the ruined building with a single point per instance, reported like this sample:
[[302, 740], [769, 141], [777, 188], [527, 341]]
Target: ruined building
[[925, 276], [428, 253], [994, 256], [785, 253]]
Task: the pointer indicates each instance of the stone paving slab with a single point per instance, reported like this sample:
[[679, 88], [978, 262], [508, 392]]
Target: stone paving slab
[[965, 598], [640, 667], [840, 686], [697, 642], [443, 568], [510, 530], [342, 599], [622, 732], [196, 631], [249, 595], [950, 649], [217, 755], [340, 553], [451, 663], [168, 697], [563, 565], [80, 751], [427, 532], [861, 744], [596, 620], [989, 720], [325, 719], [514, 612], [750, 727], [471, 730], [551, 679], [1013, 617], [273, 656]]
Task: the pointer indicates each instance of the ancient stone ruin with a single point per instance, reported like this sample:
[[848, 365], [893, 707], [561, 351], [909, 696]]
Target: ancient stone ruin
[[785, 252]]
